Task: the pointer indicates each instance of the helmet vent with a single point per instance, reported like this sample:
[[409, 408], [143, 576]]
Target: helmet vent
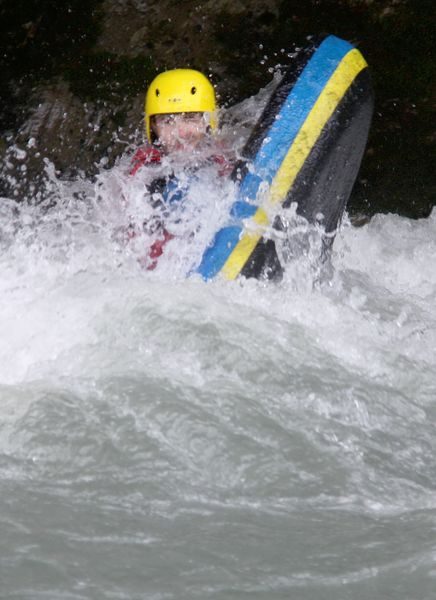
[[193, 90], [157, 92]]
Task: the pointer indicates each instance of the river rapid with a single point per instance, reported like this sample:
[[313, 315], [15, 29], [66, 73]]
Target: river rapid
[[166, 438]]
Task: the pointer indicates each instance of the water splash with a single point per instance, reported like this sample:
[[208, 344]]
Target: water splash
[[226, 438]]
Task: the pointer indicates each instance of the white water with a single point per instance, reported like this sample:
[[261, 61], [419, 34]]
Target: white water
[[166, 438]]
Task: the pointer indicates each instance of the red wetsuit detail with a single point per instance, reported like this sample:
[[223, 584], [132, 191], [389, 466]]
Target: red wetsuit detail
[[156, 249], [146, 155]]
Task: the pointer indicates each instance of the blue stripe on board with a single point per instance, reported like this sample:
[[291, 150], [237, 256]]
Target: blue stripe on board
[[293, 113], [242, 210], [276, 144], [216, 255]]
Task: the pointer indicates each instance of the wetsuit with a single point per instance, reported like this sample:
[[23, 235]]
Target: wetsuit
[[164, 192]]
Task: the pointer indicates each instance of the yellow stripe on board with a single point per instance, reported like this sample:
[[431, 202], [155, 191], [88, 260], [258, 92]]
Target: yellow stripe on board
[[324, 107], [233, 265], [348, 69]]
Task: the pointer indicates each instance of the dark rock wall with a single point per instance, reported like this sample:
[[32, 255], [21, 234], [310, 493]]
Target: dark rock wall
[[73, 76]]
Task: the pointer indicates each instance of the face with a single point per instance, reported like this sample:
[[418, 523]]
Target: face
[[180, 131]]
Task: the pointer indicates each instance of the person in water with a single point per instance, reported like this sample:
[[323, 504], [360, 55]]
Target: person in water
[[180, 122]]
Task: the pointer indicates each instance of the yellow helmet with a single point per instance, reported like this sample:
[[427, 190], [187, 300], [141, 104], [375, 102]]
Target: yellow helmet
[[177, 91]]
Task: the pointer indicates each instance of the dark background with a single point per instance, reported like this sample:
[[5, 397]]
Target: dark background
[[105, 53]]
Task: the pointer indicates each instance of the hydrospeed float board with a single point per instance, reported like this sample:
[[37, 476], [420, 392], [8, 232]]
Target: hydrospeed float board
[[306, 148]]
